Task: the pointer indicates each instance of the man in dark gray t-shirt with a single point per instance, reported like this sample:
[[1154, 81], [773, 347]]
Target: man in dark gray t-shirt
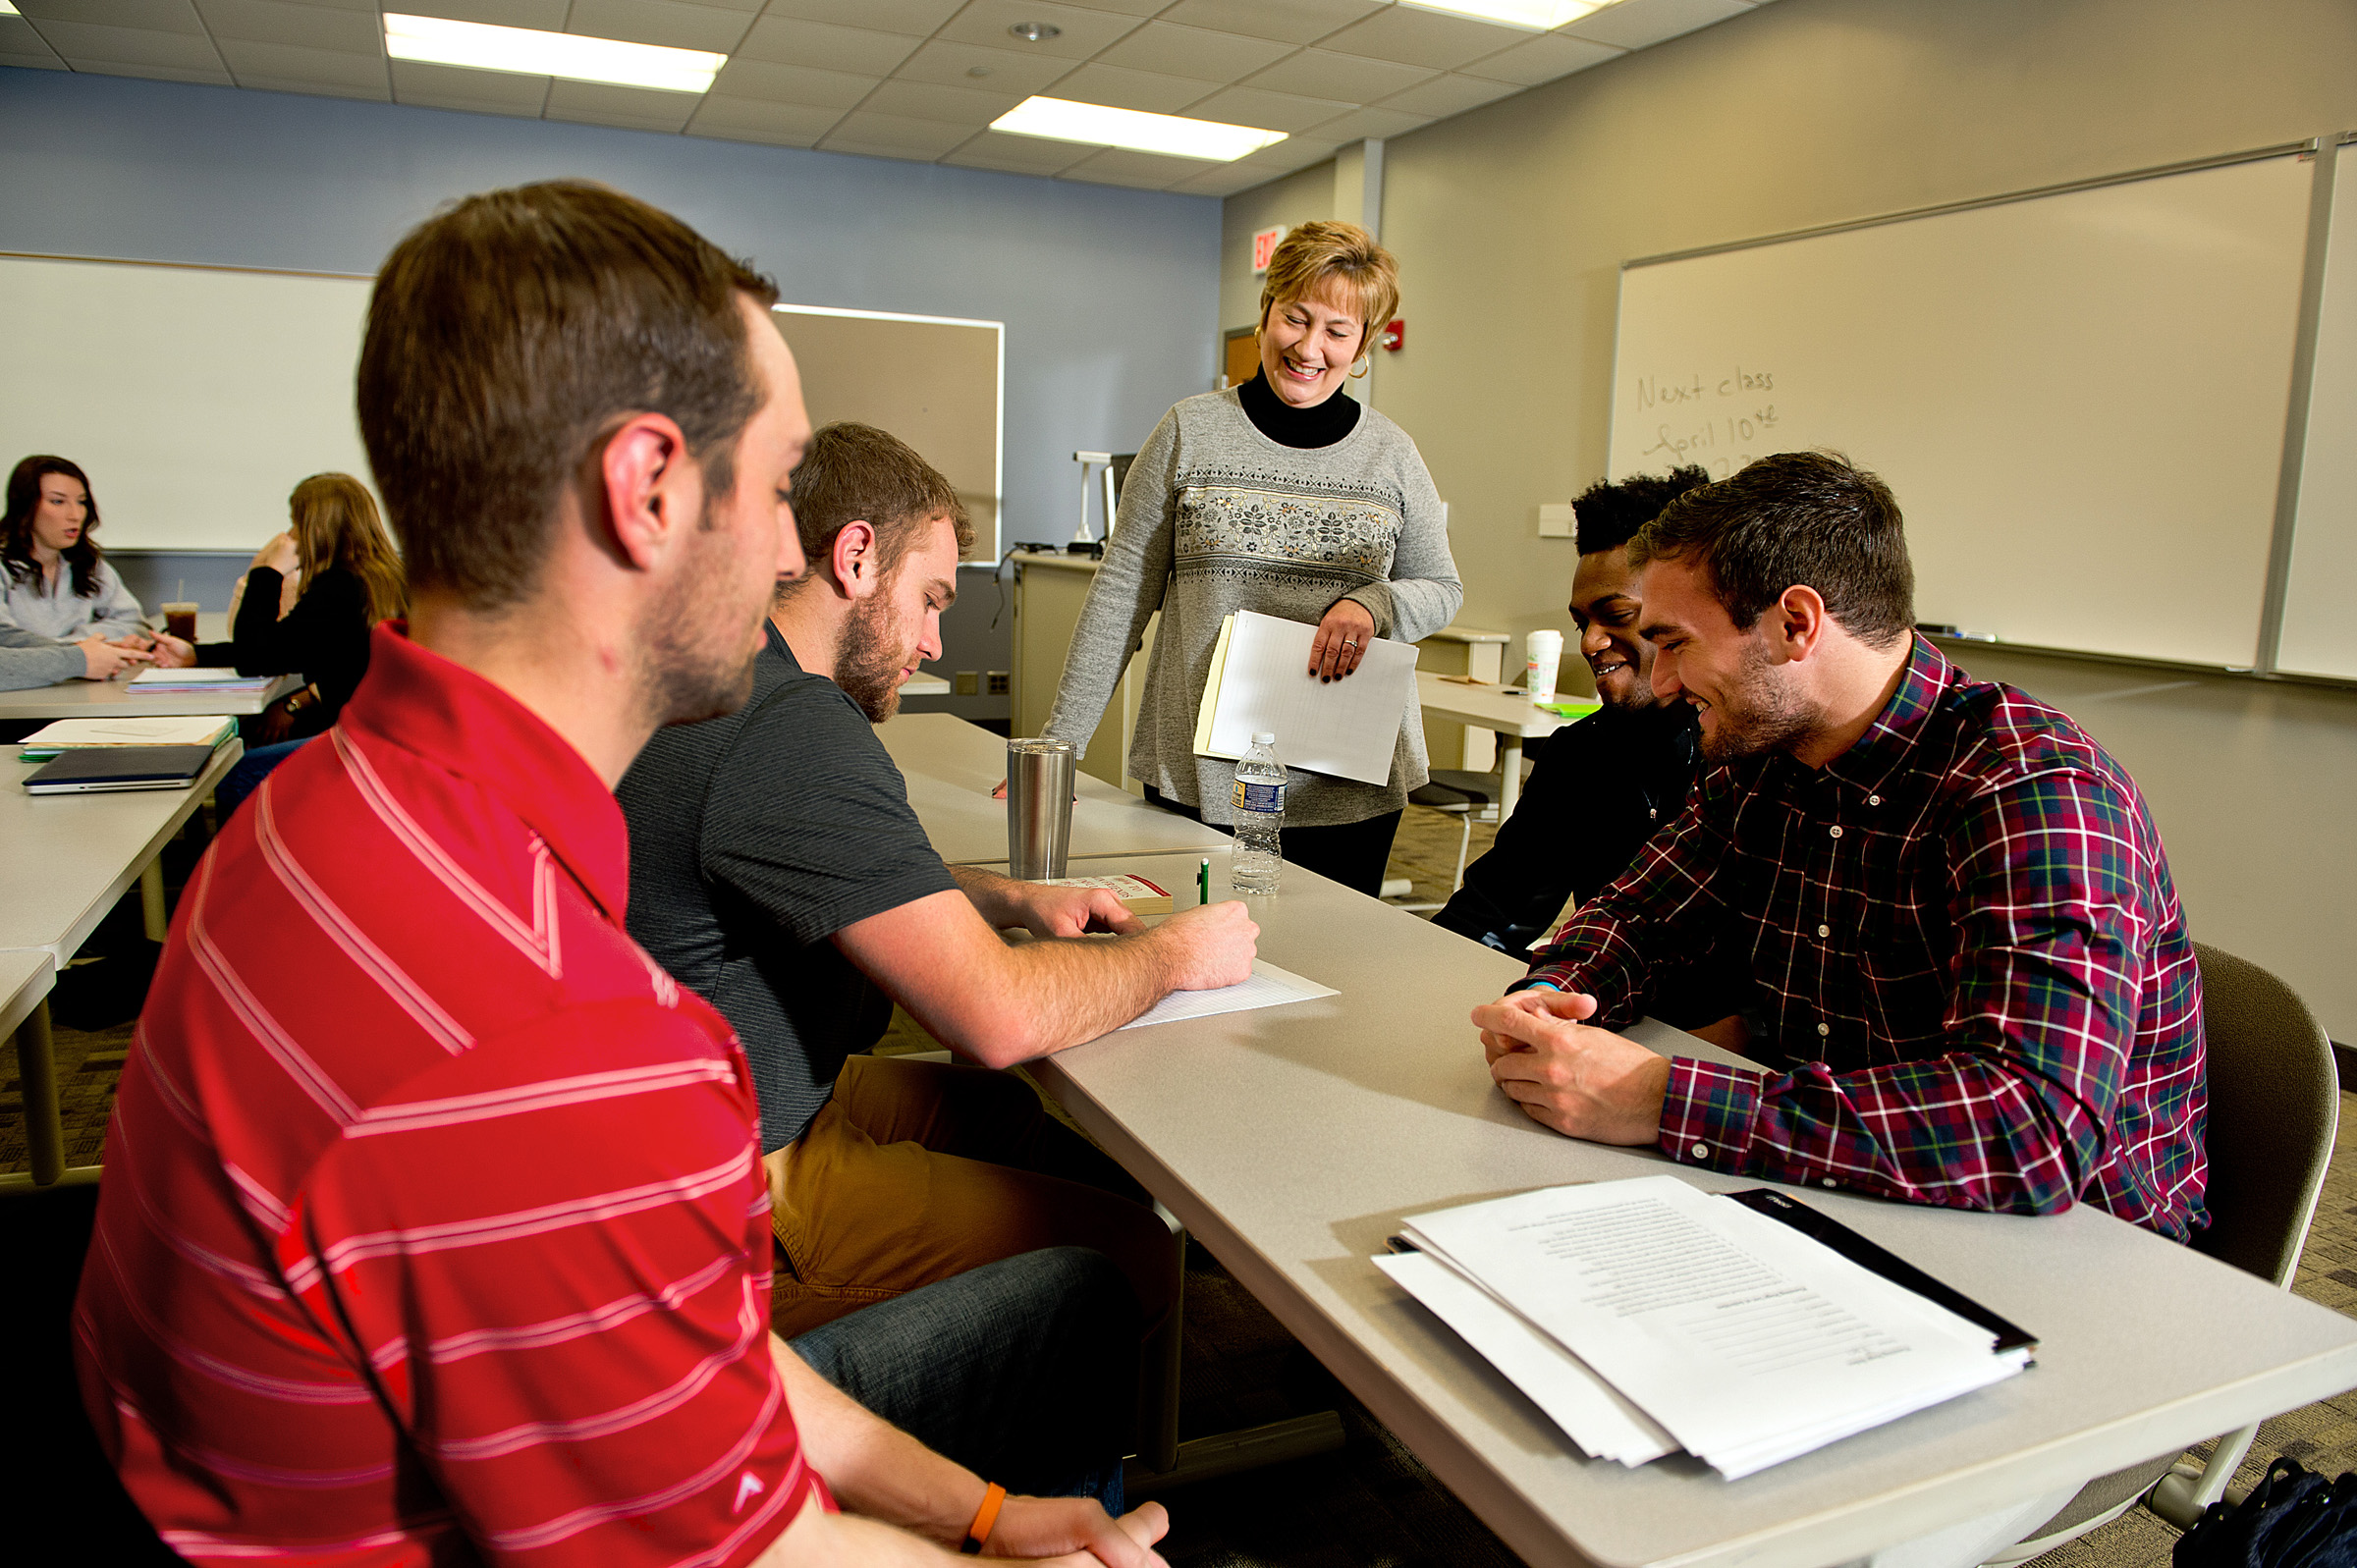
[[777, 869]]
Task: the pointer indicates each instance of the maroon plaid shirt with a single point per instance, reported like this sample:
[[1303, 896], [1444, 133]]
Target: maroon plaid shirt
[[1967, 963]]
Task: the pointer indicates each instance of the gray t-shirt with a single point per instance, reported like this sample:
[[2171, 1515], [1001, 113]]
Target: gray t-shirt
[[754, 839]]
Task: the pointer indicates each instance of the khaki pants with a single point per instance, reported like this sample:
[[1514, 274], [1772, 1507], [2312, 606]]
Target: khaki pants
[[917, 1170]]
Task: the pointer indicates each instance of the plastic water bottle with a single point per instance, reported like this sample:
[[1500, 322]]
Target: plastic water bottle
[[1259, 816]]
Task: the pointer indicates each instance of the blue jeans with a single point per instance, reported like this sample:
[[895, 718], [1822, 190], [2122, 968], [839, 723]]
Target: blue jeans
[[1024, 1370], [251, 769]]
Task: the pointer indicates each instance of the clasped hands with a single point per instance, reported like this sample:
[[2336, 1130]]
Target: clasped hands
[[1569, 1075]]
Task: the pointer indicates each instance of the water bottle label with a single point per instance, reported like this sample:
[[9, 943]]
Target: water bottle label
[[1259, 797]]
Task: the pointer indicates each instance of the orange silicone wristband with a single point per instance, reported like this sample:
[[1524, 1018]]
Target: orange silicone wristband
[[986, 1518]]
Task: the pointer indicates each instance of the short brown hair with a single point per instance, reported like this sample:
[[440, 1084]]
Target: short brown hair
[[1317, 253], [506, 336], [857, 473], [1794, 519]]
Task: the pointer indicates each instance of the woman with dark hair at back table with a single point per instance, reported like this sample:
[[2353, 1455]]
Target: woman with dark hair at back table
[[306, 607], [1287, 497], [60, 586]]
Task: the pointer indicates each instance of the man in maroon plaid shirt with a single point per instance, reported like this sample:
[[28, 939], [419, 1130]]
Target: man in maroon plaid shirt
[[1969, 973]]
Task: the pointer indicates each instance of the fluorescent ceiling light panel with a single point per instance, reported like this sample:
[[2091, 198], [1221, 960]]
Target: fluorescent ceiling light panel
[[529, 52], [1539, 15], [1060, 120], [7, 10]]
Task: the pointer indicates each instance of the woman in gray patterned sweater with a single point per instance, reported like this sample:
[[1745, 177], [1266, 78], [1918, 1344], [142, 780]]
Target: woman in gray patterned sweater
[[1286, 497]]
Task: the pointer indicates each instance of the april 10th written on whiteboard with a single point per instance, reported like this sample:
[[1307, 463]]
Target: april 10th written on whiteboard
[[1720, 419]]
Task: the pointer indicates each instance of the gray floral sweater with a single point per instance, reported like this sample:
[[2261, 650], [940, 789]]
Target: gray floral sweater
[[1216, 518]]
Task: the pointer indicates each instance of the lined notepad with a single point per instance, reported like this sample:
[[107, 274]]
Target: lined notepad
[[1259, 684]]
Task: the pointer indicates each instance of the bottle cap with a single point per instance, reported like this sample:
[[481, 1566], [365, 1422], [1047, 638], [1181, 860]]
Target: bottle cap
[[1264, 741]]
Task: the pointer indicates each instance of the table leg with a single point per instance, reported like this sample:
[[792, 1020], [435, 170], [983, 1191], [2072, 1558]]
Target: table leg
[[152, 900], [1510, 780], [37, 1071]]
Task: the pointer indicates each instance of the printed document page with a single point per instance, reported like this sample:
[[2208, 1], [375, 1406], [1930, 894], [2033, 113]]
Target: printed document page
[[1347, 728], [1747, 1340], [1591, 1413], [1269, 986]]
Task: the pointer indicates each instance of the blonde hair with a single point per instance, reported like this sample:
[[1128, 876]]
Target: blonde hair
[[335, 523], [1329, 251]]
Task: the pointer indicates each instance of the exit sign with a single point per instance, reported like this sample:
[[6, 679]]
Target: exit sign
[[1263, 245]]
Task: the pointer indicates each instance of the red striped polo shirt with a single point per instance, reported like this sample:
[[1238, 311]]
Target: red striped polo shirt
[[433, 1228]]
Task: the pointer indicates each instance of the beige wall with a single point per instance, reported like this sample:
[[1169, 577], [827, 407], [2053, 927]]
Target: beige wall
[[1510, 223]]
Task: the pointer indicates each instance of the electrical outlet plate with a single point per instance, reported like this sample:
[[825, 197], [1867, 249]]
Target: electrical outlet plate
[[1557, 520], [969, 683], [998, 683]]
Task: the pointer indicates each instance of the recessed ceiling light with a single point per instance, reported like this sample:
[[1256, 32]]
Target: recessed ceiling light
[[1060, 119], [1539, 15], [1036, 32], [528, 52]]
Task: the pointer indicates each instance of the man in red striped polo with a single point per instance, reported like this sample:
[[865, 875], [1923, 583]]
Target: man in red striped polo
[[433, 1228]]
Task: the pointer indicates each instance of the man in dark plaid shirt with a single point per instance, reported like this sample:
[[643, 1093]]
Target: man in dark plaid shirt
[[1969, 970]]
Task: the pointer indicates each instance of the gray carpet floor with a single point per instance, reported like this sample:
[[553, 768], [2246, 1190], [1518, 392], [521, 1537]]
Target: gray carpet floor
[[1372, 1504]]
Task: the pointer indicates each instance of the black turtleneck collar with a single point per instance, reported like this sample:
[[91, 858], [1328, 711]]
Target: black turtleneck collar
[[1321, 425]]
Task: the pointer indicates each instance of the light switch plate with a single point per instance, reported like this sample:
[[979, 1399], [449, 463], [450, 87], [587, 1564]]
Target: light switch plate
[[1558, 521]]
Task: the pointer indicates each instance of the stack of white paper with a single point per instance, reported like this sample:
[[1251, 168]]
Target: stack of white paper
[[1644, 1317], [73, 734], [1259, 684]]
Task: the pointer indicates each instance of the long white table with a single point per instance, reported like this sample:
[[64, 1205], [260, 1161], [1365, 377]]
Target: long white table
[[70, 858], [1292, 1141], [1488, 707], [952, 766], [120, 699]]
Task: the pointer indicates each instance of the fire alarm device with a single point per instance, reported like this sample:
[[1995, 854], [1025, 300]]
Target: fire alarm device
[[1395, 333], [1263, 245]]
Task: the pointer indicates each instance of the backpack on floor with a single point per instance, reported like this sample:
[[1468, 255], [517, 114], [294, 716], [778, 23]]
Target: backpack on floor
[[2293, 1519]]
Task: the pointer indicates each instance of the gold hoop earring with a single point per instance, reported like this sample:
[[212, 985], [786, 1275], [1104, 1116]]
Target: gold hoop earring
[[1365, 364]]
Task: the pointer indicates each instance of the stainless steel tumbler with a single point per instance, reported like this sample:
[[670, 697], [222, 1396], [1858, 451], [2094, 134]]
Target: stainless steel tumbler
[[1039, 807]]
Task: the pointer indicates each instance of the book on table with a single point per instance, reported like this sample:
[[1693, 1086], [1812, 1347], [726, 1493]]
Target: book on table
[[1139, 895], [202, 678], [1645, 1317], [80, 734]]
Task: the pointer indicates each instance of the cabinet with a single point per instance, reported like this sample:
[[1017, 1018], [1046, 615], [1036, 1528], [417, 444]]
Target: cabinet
[[1047, 596]]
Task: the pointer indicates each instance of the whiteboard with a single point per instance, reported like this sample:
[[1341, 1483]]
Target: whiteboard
[[2319, 603], [2079, 399], [194, 398]]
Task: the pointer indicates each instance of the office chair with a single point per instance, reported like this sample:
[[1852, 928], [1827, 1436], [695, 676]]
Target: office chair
[[1462, 799], [2274, 1105]]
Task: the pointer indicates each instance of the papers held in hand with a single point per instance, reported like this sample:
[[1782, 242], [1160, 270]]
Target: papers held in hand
[[1644, 1317], [1259, 682]]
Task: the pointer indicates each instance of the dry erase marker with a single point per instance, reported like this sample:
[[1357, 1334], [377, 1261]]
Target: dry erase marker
[[1203, 881]]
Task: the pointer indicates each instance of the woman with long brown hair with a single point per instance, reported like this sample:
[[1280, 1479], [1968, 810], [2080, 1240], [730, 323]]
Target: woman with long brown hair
[[306, 606], [57, 588]]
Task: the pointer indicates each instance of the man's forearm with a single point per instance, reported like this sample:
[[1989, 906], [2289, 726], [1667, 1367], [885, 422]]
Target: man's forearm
[[872, 1467], [990, 894], [1050, 995]]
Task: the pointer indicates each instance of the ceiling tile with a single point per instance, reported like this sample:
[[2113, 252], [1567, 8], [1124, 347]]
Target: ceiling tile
[[790, 125], [546, 15], [1269, 111], [247, 59], [1224, 180], [667, 23], [953, 64], [1194, 52], [916, 18], [893, 136], [456, 87], [47, 60], [1349, 78], [377, 91], [1363, 123], [18, 43], [1422, 38], [985, 22], [1449, 94], [1290, 20], [996, 150], [1127, 7], [787, 40], [1634, 24], [601, 103], [162, 16], [77, 41], [310, 27], [1118, 87], [215, 76], [775, 84], [1145, 171], [1543, 59], [926, 100]]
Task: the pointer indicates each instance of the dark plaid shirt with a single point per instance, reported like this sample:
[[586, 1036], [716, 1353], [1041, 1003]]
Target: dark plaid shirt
[[1967, 963]]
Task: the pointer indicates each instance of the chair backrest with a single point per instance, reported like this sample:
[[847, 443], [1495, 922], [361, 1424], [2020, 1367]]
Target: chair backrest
[[2274, 1104]]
